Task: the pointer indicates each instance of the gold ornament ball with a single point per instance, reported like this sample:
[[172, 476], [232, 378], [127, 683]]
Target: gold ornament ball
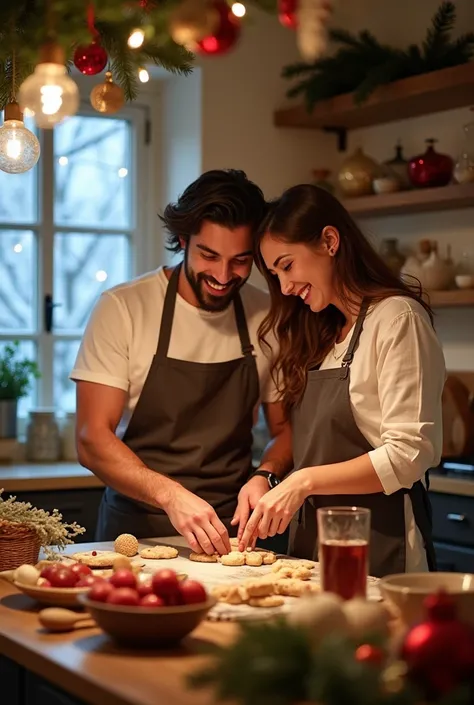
[[193, 20], [107, 97], [126, 544]]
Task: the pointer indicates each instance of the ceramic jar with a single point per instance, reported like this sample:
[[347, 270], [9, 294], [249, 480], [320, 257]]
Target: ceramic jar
[[464, 168], [436, 274], [43, 442], [431, 168], [357, 174], [391, 255], [68, 437]]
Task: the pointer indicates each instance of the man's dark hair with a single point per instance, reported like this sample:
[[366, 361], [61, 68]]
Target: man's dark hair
[[222, 196]]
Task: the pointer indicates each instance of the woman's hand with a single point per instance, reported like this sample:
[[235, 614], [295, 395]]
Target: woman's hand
[[274, 511]]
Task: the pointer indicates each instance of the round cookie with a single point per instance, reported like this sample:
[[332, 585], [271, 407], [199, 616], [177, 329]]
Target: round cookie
[[96, 559], [270, 601], [203, 557], [253, 558], [126, 544], [234, 558], [268, 557], [159, 552]]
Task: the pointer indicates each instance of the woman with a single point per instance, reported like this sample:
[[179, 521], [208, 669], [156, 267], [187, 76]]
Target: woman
[[361, 374]]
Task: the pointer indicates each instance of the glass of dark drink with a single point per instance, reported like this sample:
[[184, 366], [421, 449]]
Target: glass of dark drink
[[344, 550]]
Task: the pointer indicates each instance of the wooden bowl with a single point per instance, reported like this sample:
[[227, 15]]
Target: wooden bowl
[[57, 597], [408, 591], [144, 627]]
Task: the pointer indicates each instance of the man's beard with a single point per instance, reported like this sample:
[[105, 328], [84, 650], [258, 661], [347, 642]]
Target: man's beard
[[205, 299]]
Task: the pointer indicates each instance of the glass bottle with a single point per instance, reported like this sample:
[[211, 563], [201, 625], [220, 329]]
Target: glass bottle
[[464, 168], [399, 166]]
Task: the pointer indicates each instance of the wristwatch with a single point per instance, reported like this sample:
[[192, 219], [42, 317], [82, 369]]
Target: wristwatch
[[273, 480]]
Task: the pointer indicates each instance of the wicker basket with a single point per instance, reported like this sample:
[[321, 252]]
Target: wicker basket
[[19, 544]]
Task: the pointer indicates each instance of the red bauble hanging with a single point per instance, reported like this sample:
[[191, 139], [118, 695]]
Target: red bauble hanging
[[90, 59], [226, 34], [288, 13], [439, 652]]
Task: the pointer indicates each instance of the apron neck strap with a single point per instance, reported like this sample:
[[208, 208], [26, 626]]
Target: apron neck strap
[[349, 356], [168, 313]]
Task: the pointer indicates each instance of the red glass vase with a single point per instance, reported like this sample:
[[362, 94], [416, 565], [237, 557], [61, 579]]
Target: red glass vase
[[430, 169]]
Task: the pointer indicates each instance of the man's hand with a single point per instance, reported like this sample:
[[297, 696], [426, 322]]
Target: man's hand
[[197, 521], [249, 495], [275, 510]]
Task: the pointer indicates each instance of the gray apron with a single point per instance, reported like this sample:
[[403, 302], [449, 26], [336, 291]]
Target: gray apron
[[325, 432], [193, 423]]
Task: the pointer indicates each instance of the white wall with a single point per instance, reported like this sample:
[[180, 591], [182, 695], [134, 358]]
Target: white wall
[[400, 23]]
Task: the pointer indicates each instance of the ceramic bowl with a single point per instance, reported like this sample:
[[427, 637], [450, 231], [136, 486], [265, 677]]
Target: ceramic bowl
[[407, 592], [57, 597], [143, 627], [464, 281]]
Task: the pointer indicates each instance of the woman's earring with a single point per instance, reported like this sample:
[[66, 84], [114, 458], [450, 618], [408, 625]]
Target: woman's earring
[[331, 252]]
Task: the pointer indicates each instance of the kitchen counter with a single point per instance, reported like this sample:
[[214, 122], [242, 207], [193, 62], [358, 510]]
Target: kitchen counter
[[87, 666], [33, 477], [447, 484]]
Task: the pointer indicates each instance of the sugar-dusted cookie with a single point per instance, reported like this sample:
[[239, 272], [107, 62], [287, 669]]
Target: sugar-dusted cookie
[[126, 544], [270, 601], [299, 573], [253, 558], [230, 594], [294, 588], [203, 557], [96, 559], [159, 552], [260, 587]]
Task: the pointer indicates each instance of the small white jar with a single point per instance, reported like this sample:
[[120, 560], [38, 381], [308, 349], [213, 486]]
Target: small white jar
[[43, 443]]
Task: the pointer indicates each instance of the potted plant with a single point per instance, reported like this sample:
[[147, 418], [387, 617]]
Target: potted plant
[[16, 376]]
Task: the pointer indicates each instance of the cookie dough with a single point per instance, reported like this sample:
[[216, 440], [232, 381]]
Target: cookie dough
[[259, 587], [159, 552], [253, 558], [203, 557], [292, 563], [233, 558], [294, 588], [126, 544], [230, 594], [300, 573], [268, 557], [101, 559], [270, 601]]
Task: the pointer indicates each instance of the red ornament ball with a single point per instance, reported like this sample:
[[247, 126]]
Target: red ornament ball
[[367, 653], [287, 13], [90, 59], [439, 652], [226, 34]]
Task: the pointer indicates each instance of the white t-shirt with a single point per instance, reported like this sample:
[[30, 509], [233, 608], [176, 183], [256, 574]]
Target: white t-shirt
[[397, 378], [121, 336]]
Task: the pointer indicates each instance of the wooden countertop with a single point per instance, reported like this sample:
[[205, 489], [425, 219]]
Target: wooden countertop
[[451, 485], [34, 477], [87, 665]]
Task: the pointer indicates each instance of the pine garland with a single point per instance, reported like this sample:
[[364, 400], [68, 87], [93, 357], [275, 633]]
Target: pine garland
[[24, 28], [49, 526], [362, 63], [274, 663]]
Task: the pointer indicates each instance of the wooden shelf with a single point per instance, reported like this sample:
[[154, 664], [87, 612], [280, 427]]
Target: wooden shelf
[[452, 299], [416, 201], [429, 93]]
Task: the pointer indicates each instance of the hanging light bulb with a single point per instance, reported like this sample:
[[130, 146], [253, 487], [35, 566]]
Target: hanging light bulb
[[136, 39], [19, 147], [238, 9], [49, 92]]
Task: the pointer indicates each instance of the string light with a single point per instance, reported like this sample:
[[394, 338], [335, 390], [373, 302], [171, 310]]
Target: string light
[[238, 9], [136, 39], [143, 75], [19, 147]]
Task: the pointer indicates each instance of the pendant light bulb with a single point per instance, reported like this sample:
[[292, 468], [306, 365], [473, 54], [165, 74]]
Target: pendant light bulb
[[49, 92], [19, 147]]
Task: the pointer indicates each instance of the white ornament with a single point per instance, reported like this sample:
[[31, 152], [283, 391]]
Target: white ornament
[[321, 614], [366, 618], [26, 575], [311, 33]]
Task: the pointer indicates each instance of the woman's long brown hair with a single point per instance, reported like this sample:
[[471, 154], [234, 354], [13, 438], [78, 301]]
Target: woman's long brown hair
[[305, 337]]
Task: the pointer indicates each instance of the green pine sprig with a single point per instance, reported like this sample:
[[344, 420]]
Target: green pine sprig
[[361, 64]]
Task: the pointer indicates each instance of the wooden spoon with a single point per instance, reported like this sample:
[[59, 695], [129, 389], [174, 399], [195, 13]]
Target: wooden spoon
[[58, 619]]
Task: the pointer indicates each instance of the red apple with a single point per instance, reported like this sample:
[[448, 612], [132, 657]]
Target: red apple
[[63, 578], [151, 600], [166, 585], [192, 592], [144, 588], [100, 591], [80, 570], [123, 596], [89, 580], [42, 582], [123, 578], [49, 570]]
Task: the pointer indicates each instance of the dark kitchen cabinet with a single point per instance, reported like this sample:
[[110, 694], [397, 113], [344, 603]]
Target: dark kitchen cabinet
[[453, 531], [22, 687]]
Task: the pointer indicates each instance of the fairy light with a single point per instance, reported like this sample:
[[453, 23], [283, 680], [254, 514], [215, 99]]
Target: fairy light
[[238, 9]]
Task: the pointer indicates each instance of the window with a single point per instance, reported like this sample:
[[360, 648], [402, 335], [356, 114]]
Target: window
[[67, 232]]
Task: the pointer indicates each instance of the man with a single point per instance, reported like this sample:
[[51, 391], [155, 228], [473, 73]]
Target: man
[[170, 375]]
